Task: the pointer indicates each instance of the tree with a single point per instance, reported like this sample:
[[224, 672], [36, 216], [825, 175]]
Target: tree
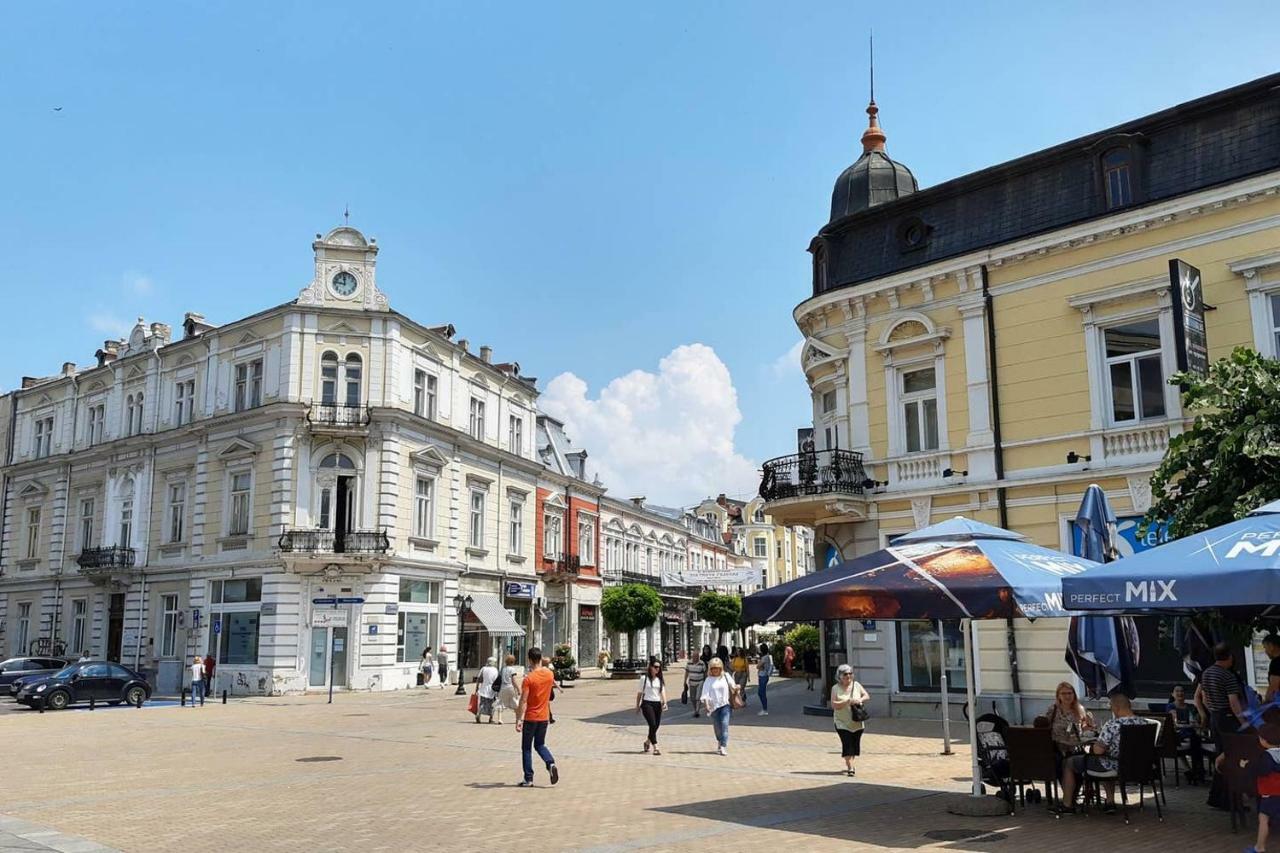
[[724, 612], [802, 638], [630, 607], [1228, 462]]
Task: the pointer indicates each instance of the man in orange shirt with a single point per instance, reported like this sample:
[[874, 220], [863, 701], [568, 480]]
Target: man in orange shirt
[[533, 715]]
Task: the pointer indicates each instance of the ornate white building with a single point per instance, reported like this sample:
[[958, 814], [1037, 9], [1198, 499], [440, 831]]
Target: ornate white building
[[199, 495]]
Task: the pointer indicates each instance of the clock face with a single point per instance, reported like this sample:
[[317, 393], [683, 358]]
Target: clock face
[[344, 284]]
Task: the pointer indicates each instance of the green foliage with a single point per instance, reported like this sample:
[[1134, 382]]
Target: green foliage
[[1228, 462], [721, 610], [562, 659], [801, 638], [630, 607]]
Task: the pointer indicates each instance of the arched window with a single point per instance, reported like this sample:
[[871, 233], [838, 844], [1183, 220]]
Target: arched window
[[329, 378], [339, 461], [336, 479], [137, 430], [128, 415], [1117, 177], [352, 375]]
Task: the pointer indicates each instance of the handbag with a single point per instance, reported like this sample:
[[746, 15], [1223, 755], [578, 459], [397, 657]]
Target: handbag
[[473, 704], [860, 713], [684, 695], [736, 699]]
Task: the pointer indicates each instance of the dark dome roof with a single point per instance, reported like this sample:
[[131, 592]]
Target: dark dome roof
[[874, 179]]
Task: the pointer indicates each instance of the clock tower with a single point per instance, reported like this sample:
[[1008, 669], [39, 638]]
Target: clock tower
[[344, 277]]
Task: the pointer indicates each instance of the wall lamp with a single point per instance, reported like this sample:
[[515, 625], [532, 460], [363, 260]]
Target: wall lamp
[[948, 472], [1073, 458]]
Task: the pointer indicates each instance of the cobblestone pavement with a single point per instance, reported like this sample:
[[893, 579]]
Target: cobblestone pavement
[[411, 771]]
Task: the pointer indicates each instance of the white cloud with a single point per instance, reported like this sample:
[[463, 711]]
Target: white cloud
[[104, 321], [137, 283], [787, 365], [667, 435]]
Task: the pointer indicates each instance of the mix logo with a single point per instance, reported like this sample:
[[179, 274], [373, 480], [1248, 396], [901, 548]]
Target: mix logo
[[1265, 545], [1149, 592]]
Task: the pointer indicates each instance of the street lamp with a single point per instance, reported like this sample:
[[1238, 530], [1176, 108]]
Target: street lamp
[[463, 606]]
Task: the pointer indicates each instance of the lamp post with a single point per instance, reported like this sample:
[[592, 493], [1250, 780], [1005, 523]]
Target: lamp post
[[463, 606]]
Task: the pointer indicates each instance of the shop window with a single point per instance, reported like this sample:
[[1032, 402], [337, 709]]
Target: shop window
[[920, 660]]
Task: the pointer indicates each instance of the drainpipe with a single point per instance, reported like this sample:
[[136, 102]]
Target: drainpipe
[[1002, 497]]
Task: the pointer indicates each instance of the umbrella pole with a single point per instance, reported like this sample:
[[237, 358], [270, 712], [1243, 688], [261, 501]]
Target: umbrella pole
[[970, 659], [946, 712]]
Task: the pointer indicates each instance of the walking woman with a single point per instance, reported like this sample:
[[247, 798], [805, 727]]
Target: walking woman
[[651, 700], [508, 689], [846, 696], [430, 678], [695, 672], [717, 698], [741, 671], [764, 671], [487, 686]]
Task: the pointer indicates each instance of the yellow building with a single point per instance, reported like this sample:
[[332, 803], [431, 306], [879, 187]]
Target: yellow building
[[992, 345]]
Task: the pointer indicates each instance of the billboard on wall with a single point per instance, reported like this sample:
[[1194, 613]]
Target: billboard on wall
[[1190, 342], [710, 573]]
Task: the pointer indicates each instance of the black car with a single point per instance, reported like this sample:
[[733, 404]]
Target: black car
[[80, 682], [15, 668]]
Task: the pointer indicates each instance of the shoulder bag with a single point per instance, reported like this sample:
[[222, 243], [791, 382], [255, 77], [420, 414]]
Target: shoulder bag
[[736, 699]]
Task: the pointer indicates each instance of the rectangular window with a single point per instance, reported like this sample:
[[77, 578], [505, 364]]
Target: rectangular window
[[87, 507], [477, 519], [419, 392], [551, 543], [418, 622], [248, 385], [24, 628], [184, 402], [477, 419], [1274, 299], [1135, 372], [44, 437], [239, 505], [515, 541], [236, 591], [430, 412], [920, 655], [33, 532], [424, 508], [587, 542], [239, 645], [829, 402], [126, 523], [97, 422], [419, 592], [177, 510], [762, 546], [515, 435], [79, 624], [169, 625], [920, 409]]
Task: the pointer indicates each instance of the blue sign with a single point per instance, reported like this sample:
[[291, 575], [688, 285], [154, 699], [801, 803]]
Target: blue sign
[[324, 601], [832, 557], [1128, 542], [373, 629], [350, 600], [217, 626], [519, 589]]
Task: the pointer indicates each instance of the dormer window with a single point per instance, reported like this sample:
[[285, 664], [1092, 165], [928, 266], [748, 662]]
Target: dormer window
[[1117, 177], [819, 268]]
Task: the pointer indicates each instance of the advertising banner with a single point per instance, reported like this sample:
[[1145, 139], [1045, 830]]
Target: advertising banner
[[1190, 342]]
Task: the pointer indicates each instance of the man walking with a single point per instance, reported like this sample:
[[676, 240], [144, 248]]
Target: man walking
[[533, 716]]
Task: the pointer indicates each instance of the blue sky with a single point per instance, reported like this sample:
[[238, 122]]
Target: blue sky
[[586, 187]]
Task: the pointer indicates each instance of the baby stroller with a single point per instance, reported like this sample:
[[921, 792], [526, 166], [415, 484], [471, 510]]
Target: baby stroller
[[993, 755]]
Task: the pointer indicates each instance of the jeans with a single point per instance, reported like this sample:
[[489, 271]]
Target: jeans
[[720, 723], [197, 687], [652, 712], [534, 736], [762, 690]]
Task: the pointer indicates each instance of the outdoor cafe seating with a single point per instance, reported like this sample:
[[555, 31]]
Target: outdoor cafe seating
[[1138, 764]]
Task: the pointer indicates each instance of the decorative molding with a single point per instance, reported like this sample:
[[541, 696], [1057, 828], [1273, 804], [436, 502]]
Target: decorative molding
[[237, 447], [922, 511], [1139, 493], [429, 457]]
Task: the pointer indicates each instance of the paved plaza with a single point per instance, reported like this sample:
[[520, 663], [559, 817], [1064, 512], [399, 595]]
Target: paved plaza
[[411, 771]]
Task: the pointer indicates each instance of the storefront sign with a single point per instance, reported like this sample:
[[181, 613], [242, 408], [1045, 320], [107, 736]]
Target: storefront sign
[[710, 573], [518, 589], [586, 612], [1128, 542], [328, 619], [268, 608], [1190, 342]]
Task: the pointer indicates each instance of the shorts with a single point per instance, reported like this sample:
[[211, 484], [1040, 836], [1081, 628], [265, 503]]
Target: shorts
[[1269, 806]]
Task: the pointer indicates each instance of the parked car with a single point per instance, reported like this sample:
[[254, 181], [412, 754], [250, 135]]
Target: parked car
[[80, 682], [15, 668]]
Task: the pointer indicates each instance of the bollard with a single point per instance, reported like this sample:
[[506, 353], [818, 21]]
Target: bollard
[[44, 700], [92, 702], [224, 697], [182, 697]]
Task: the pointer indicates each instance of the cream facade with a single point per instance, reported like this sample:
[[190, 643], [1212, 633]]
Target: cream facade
[[196, 495], [999, 382]]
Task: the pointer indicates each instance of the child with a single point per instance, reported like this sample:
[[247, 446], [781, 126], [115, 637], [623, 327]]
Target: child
[[1266, 769]]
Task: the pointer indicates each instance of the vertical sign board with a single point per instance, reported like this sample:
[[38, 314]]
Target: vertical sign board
[[1190, 342]]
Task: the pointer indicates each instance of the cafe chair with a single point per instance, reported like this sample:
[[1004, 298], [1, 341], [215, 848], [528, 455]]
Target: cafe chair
[[1239, 751], [1031, 761], [1137, 766]]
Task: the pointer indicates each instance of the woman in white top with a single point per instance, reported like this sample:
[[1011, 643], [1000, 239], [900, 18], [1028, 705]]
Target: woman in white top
[[764, 671], [509, 691], [717, 697], [846, 695], [430, 677], [197, 680], [651, 700], [487, 689]]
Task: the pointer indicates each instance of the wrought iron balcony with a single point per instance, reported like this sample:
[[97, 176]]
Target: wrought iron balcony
[[632, 576], [566, 564], [338, 416], [815, 472], [110, 558], [331, 542]]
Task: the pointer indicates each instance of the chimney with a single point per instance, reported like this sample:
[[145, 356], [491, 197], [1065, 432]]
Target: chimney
[[639, 502], [30, 381], [722, 500], [193, 324], [486, 354], [68, 368], [110, 352], [465, 344], [161, 333]]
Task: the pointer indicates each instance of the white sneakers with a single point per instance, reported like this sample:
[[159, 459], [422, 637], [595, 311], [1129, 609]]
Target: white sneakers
[[762, 713], [720, 751]]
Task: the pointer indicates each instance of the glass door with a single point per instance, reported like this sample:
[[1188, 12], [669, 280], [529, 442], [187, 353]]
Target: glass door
[[319, 657], [338, 664]]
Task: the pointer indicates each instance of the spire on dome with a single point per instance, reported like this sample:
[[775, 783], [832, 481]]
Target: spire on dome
[[873, 137]]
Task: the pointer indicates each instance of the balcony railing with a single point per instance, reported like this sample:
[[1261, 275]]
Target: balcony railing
[[563, 565], [331, 542], [106, 559], [338, 416], [816, 472]]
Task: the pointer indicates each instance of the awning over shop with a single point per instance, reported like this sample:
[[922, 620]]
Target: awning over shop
[[488, 615]]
